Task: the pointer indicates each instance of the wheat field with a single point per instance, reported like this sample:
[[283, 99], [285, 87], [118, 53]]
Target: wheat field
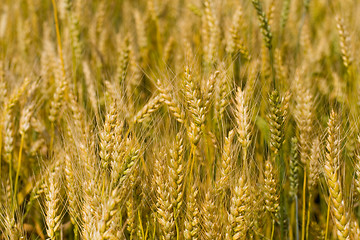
[[179, 119]]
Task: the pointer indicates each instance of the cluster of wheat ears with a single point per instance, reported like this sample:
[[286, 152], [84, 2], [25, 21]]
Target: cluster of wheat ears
[[179, 119]]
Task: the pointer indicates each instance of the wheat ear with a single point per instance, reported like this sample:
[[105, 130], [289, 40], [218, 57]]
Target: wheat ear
[[71, 190], [196, 108], [106, 136], [192, 224], [151, 106], [271, 190], [226, 164], [344, 42], [53, 218], [238, 210], [336, 203], [212, 27], [210, 217], [357, 169], [176, 171], [242, 120], [264, 23], [165, 213], [173, 106]]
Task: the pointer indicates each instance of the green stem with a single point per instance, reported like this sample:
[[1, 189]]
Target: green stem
[[308, 216], [58, 39], [52, 129], [297, 217], [19, 165], [236, 69], [177, 230], [0, 146], [9, 157], [280, 160], [304, 207], [327, 219], [141, 225], [272, 229], [192, 155], [292, 220], [76, 232], [245, 163], [74, 62], [74, 74], [273, 73], [103, 187]]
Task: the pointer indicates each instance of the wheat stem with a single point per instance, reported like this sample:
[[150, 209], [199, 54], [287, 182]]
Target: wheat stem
[[304, 207], [272, 229], [327, 218], [52, 135], [308, 216], [296, 218], [1, 139], [19, 165], [58, 39]]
